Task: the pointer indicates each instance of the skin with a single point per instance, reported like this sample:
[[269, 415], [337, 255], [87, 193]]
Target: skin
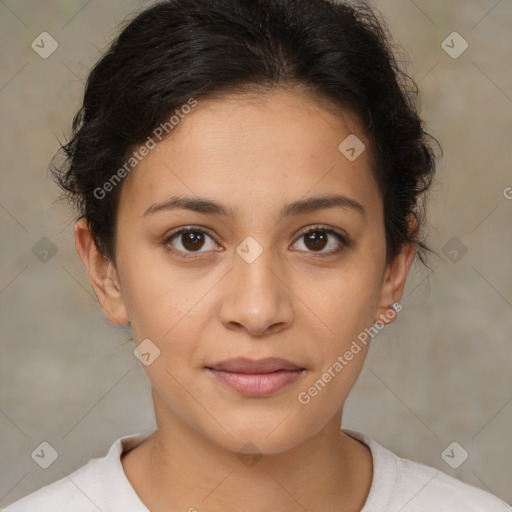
[[253, 153]]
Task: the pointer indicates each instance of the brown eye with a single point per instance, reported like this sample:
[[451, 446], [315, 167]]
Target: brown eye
[[188, 240], [316, 239], [192, 241]]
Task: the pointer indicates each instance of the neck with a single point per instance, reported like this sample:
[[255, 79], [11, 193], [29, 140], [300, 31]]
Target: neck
[[177, 468]]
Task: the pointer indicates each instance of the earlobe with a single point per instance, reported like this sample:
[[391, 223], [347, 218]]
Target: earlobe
[[102, 274]]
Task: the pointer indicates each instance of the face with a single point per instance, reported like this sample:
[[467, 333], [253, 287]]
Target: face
[[263, 271]]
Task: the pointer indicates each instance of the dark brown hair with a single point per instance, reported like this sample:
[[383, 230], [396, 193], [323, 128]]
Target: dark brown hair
[[181, 49]]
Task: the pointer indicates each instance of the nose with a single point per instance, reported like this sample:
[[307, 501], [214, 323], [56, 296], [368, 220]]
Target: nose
[[255, 297]]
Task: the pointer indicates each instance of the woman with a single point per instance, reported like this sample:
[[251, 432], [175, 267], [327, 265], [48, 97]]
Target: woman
[[250, 178]]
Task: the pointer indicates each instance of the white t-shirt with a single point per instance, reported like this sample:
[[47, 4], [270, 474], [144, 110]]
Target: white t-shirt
[[398, 485]]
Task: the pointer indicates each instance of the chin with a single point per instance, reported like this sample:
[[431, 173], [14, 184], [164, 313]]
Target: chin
[[260, 435]]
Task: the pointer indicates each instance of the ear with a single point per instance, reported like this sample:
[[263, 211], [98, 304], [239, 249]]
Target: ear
[[395, 276], [102, 274]]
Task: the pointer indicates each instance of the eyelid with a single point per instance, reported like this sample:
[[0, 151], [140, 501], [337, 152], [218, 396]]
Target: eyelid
[[191, 227], [323, 227]]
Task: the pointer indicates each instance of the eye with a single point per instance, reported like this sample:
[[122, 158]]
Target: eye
[[316, 239], [190, 239]]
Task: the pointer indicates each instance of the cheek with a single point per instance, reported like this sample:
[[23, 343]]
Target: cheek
[[157, 295], [341, 343], [342, 307], [343, 301], [170, 308]]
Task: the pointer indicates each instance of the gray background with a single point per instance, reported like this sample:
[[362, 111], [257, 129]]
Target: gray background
[[441, 373]]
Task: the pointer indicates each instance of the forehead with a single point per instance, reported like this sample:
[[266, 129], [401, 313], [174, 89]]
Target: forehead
[[267, 147]]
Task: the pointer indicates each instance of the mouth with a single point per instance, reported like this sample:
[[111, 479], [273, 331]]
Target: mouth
[[256, 378]]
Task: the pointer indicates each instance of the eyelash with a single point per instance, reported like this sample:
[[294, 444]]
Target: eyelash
[[343, 239]]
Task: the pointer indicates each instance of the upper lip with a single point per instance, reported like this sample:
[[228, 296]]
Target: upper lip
[[246, 365]]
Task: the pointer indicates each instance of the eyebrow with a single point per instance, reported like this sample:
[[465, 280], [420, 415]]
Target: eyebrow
[[296, 208]]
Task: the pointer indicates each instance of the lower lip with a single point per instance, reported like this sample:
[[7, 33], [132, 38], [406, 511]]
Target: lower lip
[[257, 384]]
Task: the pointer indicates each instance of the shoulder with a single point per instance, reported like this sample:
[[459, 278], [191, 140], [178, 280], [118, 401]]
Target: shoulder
[[420, 487], [401, 484], [99, 485], [81, 489]]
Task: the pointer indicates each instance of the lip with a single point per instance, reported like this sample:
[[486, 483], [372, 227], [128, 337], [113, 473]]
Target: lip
[[246, 365], [262, 377]]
